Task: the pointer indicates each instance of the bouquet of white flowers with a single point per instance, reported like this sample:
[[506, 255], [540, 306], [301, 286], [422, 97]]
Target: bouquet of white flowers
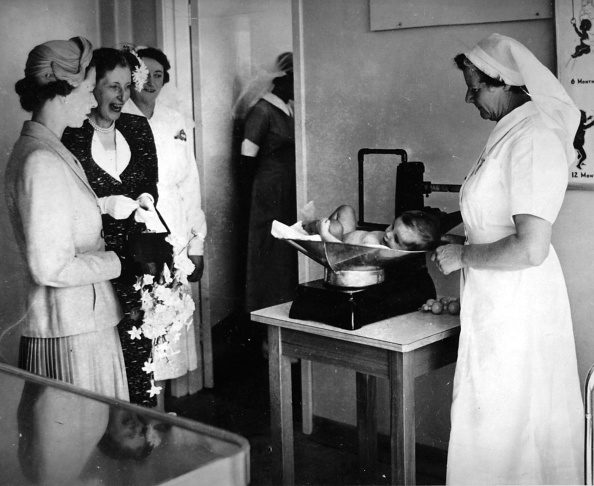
[[166, 306]]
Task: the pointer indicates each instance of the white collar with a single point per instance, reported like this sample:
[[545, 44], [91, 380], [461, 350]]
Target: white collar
[[509, 121], [280, 104], [132, 108]]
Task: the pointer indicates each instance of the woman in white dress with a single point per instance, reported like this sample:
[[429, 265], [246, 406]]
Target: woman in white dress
[[517, 412], [179, 190]]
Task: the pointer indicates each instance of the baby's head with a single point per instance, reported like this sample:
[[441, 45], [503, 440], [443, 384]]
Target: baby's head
[[413, 230], [126, 436]]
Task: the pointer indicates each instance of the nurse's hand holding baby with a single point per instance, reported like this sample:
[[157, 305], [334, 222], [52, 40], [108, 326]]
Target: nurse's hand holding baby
[[448, 258]]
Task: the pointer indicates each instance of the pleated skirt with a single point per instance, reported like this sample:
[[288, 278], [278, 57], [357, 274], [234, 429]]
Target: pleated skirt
[[93, 361]]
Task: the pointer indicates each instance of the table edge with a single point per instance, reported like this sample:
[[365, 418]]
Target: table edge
[[345, 335]]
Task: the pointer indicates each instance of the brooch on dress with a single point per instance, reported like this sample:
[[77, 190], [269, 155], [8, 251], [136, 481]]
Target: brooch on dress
[[181, 135]]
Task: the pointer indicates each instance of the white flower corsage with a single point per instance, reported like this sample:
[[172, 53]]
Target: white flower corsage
[[140, 73]]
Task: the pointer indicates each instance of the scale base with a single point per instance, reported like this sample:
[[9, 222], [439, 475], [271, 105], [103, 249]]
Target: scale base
[[351, 309]]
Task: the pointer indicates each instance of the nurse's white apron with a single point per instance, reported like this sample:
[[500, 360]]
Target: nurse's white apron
[[178, 177], [517, 413]]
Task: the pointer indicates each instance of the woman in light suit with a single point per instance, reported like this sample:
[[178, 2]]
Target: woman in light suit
[[70, 332]]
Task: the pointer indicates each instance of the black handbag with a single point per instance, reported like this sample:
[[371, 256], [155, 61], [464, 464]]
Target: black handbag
[[150, 247]]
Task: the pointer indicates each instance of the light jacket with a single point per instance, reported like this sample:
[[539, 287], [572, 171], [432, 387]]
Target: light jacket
[[57, 223]]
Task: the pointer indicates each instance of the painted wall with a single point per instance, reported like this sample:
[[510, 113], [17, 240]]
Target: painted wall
[[23, 25], [400, 89], [236, 39], [573, 238], [125, 21]]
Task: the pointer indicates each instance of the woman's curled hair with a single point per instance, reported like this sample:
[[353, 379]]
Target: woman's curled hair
[[159, 56], [54, 68], [106, 59], [32, 95]]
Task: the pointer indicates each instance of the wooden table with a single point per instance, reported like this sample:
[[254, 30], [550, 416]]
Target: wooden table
[[398, 349]]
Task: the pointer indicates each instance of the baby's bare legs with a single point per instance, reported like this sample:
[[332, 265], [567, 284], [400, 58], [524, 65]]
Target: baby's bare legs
[[333, 228], [325, 227], [346, 216]]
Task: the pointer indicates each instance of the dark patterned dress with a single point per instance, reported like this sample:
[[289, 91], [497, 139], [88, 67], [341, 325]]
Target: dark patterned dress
[[140, 176], [271, 264]]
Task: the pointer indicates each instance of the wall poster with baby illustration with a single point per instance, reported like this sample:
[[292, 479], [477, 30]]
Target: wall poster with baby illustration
[[575, 69]]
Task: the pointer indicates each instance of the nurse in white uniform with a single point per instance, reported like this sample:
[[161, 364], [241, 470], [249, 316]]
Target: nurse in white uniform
[[179, 192], [517, 412]]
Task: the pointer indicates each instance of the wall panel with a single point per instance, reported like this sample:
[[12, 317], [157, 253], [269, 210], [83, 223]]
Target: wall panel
[[406, 14]]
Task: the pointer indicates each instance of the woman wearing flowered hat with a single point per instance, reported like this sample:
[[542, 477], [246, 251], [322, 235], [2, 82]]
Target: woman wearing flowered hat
[[517, 412], [70, 329], [117, 152]]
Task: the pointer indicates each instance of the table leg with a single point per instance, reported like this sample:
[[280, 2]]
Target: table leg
[[402, 418], [281, 409], [307, 396], [367, 423]]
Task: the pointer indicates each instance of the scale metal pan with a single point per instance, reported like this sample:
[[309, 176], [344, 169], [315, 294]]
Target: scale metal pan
[[339, 257]]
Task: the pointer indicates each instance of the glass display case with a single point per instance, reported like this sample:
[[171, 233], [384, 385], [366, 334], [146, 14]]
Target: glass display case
[[56, 434]]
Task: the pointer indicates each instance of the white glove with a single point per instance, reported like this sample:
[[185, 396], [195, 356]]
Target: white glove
[[146, 201], [151, 219], [118, 207]]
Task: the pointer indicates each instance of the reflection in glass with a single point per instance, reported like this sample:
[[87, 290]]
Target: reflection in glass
[[57, 434], [126, 436]]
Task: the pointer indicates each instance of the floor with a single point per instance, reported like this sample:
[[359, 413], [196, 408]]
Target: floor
[[239, 403]]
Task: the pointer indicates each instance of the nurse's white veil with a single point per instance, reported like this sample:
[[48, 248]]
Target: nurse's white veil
[[261, 83], [506, 59]]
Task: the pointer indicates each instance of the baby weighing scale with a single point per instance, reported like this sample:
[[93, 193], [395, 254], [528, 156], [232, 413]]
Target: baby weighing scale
[[365, 284]]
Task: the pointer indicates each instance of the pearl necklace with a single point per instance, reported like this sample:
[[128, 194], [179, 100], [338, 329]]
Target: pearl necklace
[[101, 129]]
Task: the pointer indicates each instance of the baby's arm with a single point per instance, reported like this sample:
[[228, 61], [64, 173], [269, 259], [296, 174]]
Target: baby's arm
[[323, 227]]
